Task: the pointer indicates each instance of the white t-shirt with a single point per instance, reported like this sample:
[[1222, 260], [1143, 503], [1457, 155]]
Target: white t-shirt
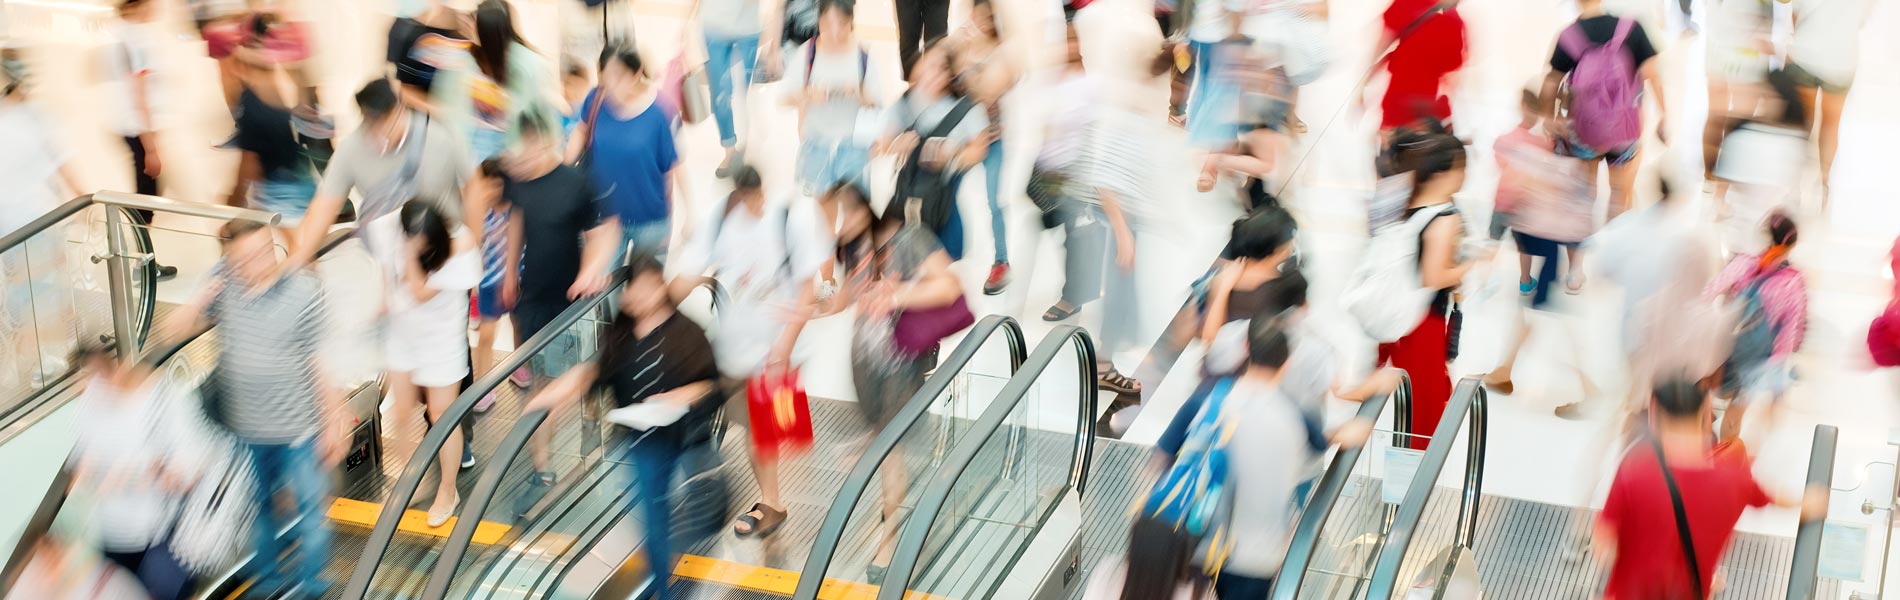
[[441, 321], [29, 161], [1210, 23], [130, 51], [1827, 37], [126, 434], [1269, 454], [759, 262], [839, 119]]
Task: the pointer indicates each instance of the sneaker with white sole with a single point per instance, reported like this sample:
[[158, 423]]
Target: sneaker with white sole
[[521, 378], [487, 402]]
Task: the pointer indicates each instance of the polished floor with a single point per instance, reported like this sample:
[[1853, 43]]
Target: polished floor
[[1532, 454]]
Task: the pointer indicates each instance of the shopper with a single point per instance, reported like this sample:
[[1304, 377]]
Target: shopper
[[272, 393], [918, 22], [938, 135], [136, 91], [766, 258], [1771, 298], [428, 329], [138, 456], [37, 173], [398, 154], [508, 79], [653, 358], [1243, 290], [563, 241], [1424, 354], [276, 172], [422, 46], [1599, 67], [1421, 49], [1739, 43], [625, 145], [834, 84], [985, 69], [1822, 60], [1674, 502], [490, 305], [734, 34]]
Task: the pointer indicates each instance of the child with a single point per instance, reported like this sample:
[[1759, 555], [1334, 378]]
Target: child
[[490, 303], [574, 88], [1772, 297]]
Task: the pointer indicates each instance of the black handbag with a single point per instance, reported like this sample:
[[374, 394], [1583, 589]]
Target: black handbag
[[1048, 189], [211, 400], [928, 185]]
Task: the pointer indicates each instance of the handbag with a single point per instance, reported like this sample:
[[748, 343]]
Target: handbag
[[1682, 519], [700, 494], [917, 331], [780, 414], [1047, 188], [213, 527]]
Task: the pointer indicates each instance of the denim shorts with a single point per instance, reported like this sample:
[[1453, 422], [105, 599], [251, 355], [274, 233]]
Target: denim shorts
[[561, 354], [822, 164], [488, 305], [287, 197], [1575, 148]]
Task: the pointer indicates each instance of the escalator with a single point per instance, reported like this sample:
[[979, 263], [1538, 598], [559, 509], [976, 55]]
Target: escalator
[[585, 542], [1400, 531]]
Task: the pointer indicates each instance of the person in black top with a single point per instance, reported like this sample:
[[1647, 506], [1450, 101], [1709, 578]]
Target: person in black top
[[649, 354], [274, 173], [418, 46], [1600, 28], [562, 244]]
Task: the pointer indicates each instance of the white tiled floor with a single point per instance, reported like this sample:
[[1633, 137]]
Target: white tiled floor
[[1532, 454]]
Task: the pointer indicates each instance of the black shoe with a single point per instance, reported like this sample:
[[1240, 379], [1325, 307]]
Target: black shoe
[[165, 273]]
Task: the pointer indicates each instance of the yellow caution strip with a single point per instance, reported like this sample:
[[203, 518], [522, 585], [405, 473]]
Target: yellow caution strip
[[357, 512], [776, 581]]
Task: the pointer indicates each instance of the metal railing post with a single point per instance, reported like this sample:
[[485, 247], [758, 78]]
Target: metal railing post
[[118, 285]]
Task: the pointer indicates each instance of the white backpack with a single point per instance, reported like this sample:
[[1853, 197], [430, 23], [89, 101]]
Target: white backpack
[[1387, 296]]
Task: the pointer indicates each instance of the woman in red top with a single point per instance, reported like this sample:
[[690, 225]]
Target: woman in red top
[[1430, 38]]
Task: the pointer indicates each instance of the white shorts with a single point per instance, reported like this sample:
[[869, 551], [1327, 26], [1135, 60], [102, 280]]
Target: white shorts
[[428, 361]]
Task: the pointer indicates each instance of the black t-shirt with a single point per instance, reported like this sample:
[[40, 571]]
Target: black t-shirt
[[401, 51], [673, 355], [1599, 30], [556, 209], [264, 130]]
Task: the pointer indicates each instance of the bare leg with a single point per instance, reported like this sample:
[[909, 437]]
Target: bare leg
[[1830, 136], [483, 355], [1523, 271], [1500, 378], [403, 400], [1622, 180], [449, 458], [1574, 272]]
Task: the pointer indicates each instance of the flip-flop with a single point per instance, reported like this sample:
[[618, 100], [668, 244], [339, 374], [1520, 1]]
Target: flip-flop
[[768, 521], [1056, 313]]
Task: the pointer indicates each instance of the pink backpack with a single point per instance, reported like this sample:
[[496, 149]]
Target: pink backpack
[[1605, 110]]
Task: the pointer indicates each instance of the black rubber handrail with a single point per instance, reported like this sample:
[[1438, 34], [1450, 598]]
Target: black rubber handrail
[[1805, 573], [916, 529], [1467, 401], [1312, 523], [486, 488], [831, 530], [55, 496], [425, 456]]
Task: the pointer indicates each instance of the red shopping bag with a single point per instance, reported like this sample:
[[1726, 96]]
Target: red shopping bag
[[780, 414]]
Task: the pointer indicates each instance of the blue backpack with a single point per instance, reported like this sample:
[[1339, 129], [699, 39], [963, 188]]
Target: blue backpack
[[1194, 495], [1755, 332]]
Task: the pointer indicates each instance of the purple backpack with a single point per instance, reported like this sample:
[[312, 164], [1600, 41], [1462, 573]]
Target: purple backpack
[[1605, 111]]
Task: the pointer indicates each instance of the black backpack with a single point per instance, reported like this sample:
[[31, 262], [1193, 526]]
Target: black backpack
[[928, 185]]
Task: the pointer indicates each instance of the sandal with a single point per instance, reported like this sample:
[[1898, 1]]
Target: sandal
[[1114, 381], [1574, 286], [1057, 313], [767, 521]]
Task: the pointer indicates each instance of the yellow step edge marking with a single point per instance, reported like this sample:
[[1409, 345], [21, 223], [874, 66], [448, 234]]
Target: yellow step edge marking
[[357, 512], [775, 581]]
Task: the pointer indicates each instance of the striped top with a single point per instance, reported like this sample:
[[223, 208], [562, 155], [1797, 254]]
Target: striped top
[[1116, 157], [267, 351]]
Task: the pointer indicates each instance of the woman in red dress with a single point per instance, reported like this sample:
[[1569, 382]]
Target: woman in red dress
[[1426, 43]]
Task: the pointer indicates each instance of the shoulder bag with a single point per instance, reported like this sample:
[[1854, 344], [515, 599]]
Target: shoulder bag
[[931, 186], [1682, 519]]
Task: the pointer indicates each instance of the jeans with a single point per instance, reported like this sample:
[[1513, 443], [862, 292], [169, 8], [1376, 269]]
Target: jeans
[[722, 54], [822, 164], [993, 176], [651, 238], [1235, 586], [293, 466], [652, 463], [1084, 252], [951, 234], [1120, 308]]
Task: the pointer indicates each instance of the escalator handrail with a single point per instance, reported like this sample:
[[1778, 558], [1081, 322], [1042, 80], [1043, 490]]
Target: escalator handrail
[[1319, 508], [425, 455], [831, 530], [916, 528], [55, 496], [469, 515], [1467, 401], [1805, 573], [44, 222]]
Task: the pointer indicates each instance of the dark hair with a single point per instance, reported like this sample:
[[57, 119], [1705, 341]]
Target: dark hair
[[1284, 293], [490, 168], [130, 4], [853, 248], [1678, 397], [1781, 228], [574, 69], [1427, 153], [495, 32], [641, 263], [236, 229], [617, 337], [531, 123], [1262, 233], [1530, 101], [420, 218], [260, 27], [1267, 343], [1160, 559], [745, 178], [1793, 112], [623, 53], [376, 100], [850, 7]]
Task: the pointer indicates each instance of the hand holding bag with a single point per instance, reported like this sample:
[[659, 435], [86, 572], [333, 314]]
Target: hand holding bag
[[780, 413]]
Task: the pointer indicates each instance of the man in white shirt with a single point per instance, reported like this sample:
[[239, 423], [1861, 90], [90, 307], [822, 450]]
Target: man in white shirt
[[129, 55]]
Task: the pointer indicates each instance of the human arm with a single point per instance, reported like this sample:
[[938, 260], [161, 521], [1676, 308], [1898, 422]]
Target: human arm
[[1118, 225], [193, 318], [250, 170], [936, 286], [1652, 74], [599, 251], [570, 386], [511, 259], [1438, 262], [1218, 292], [584, 130], [1547, 105], [325, 207]]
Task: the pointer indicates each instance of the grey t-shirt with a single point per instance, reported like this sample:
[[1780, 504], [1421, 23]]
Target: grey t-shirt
[[441, 166], [1269, 453], [729, 18], [910, 114]]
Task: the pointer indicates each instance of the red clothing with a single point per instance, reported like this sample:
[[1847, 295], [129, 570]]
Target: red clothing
[[1649, 558], [1421, 354], [1420, 61]]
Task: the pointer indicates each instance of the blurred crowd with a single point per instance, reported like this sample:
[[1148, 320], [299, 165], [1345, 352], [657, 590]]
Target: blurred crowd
[[494, 181]]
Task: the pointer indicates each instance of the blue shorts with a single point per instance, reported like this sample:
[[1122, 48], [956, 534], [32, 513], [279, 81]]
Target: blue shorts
[[530, 318], [1575, 148], [821, 165], [287, 197], [488, 303]]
